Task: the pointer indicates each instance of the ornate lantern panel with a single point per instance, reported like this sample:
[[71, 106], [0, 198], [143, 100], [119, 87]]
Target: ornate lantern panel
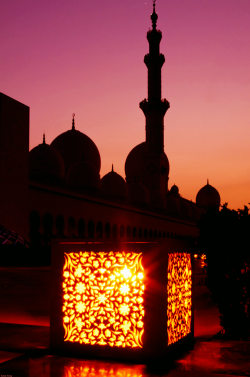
[[179, 291], [103, 298]]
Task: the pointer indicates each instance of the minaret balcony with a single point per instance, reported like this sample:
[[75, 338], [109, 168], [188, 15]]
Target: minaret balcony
[[154, 60], [161, 105], [154, 36]]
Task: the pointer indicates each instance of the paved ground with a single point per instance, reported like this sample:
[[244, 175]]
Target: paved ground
[[24, 337], [24, 294]]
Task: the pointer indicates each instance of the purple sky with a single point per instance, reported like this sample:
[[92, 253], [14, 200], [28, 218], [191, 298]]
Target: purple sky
[[86, 57]]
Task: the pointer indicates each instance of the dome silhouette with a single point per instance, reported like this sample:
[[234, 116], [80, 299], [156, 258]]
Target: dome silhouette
[[138, 194], [82, 175], [208, 197], [73, 145], [174, 190], [46, 164], [134, 163], [114, 186], [156, 199]]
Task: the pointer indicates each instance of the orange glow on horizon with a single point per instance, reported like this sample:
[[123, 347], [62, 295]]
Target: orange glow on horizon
[[103, 298]]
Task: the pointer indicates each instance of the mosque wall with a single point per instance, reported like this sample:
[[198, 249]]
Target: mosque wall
[[14, 168], [63, 213]]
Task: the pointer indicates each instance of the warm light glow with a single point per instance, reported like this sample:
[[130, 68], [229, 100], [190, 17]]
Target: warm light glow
[[103, 298], [98, 369], [203, 256], [126, 273], [195, 256], [179, 296]]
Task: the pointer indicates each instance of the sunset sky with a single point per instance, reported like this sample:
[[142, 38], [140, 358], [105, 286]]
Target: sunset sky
[[86, 57]]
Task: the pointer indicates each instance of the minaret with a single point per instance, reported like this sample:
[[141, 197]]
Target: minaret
[[156, 167]]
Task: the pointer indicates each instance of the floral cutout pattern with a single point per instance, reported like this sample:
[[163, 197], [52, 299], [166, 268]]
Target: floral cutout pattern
[[179, 296], [103, 298]]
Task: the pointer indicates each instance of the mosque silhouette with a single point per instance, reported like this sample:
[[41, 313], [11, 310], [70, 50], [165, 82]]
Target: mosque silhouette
[[55, 190]]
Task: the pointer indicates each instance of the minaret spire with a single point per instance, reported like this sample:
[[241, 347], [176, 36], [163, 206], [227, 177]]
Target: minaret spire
[[154, 16], [154, 108], [73, 121]]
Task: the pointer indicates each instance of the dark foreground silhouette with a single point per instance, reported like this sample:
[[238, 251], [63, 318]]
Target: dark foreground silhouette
[[225, 240]]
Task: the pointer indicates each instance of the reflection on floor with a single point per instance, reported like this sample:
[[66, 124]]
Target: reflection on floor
[[67, 367], [216, 356], [6, 356], [213, 358]]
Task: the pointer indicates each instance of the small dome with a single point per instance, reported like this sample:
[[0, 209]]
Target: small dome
[[73, 145], [185, 209], [134, 164], [172, 205], [174, 190], [114, 186], [156, 199], [208, 197], [83, 176], [138, 194], [46, 164]]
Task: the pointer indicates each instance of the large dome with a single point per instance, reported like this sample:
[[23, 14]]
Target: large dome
[[83, 176], [134, 165], [208, 197], [113, 186], [46, 164], [73, 145]]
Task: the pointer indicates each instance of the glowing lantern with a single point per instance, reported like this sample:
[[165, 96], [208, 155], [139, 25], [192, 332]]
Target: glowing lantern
[[103, 300], [108, 299], [179, 290]]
